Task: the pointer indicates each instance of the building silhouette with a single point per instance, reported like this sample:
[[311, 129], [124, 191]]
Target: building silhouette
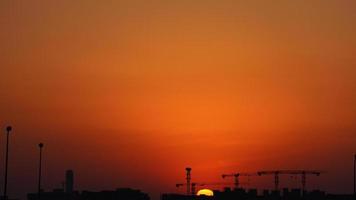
[[69, 183], [56, 194], [68, 193], [119, 194], [241, 194]]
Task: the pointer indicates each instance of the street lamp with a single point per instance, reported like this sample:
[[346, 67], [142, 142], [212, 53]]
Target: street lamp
[[40, 145], [355, 176], [8, 130]]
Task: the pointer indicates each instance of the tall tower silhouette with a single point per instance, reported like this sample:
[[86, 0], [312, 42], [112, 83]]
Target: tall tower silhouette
[[188, 170], [40, 145], [69, 181], [8, 130]]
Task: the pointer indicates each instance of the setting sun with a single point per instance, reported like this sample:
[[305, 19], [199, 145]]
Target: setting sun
[[205, 192]]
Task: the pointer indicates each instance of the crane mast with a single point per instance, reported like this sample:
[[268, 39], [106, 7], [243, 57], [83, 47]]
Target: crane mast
[[236, 177], [188, 178]]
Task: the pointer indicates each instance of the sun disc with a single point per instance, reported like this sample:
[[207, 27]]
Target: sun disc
[[205, 192]]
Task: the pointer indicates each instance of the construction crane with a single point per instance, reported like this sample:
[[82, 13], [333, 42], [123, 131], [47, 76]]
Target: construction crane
[[236, 177], [190, 187], [194, 185], [303, 173]]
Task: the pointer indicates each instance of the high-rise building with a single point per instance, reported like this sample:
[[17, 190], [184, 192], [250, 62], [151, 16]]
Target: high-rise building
[[69, 181]]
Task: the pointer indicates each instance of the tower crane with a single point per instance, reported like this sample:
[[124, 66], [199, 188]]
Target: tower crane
[[236, 177], [303, 173]]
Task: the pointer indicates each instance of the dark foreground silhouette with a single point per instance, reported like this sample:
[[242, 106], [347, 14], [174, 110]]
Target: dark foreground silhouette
[[68, 193], [241, 194], [122, 194]]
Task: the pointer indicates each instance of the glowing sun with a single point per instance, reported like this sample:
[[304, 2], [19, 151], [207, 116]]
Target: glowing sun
[[205, 192]]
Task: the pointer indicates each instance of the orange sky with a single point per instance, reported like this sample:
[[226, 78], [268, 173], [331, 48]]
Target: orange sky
[[128, 93]]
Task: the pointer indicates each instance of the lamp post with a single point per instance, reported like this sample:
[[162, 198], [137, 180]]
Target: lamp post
[[8, 130], [40, 145], [355, 176]]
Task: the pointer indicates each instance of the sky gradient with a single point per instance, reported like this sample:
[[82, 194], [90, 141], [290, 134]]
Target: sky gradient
[[129, 93]]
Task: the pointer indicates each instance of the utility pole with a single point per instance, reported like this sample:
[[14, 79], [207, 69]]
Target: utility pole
[[355, 176], [8, 130], [40, 145]]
